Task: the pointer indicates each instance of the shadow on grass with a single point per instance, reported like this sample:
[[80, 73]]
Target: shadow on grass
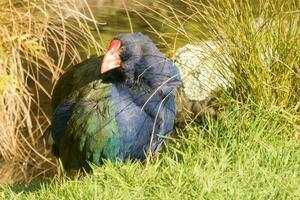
[[31, 187]]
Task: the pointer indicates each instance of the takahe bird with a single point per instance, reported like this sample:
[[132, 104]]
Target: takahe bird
[[115, 107]]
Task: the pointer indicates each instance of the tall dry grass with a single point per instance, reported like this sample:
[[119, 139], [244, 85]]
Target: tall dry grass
[[261, 39], [37, 39]]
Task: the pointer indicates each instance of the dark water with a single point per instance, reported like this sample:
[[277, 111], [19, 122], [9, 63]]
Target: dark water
[[120, 16]]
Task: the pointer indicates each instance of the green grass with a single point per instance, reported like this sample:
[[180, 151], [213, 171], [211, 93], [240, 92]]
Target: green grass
[[246, 153]]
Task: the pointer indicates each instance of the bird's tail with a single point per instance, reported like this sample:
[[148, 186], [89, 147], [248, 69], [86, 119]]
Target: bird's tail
[[47, 136]]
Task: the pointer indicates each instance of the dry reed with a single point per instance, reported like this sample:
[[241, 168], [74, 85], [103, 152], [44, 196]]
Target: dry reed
[[37, 39]]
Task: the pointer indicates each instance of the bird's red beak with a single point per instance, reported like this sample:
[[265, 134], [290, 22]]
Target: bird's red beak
[[112, 58]]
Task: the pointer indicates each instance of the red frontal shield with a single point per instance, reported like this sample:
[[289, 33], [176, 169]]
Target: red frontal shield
[[112, 58]]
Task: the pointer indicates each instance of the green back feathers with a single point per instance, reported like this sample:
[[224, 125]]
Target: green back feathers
[[92, 131], [74, 78]]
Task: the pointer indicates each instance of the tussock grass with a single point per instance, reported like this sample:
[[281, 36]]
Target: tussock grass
[[37, 39], [255, 45]]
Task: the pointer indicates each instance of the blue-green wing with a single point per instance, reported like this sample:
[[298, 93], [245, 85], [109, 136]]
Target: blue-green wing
[[91, 133]]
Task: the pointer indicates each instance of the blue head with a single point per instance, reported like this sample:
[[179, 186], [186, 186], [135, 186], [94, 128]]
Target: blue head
[[141, 62]]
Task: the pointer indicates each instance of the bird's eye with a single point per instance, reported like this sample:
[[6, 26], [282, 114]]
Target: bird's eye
[[121, 50], [124, 55]]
